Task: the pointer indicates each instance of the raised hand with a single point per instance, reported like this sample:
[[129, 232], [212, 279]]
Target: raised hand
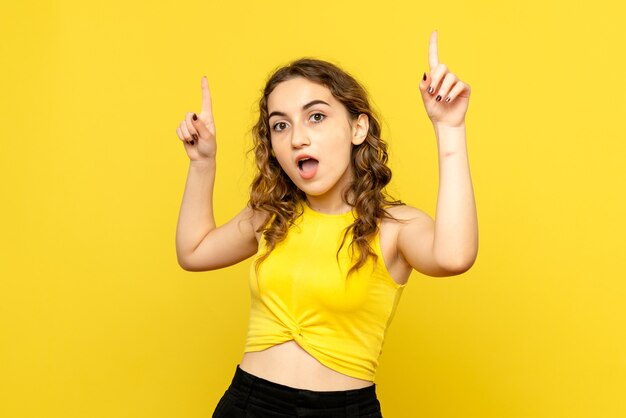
[[198, 135], [445, 97]]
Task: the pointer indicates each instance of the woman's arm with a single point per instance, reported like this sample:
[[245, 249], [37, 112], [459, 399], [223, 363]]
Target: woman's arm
[[455, 242], [448, 245], [200, 245], [195, 219]]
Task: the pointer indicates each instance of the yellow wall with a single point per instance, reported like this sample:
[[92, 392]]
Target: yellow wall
[[98, 320]]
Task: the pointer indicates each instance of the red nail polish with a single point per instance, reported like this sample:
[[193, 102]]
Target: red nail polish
[[424, 77], [194, 117], [438, 98]]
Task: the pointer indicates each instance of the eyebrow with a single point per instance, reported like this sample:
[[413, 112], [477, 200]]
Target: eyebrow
[[305, 107]]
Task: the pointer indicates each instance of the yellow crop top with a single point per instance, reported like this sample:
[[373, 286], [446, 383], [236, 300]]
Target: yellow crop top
[[302, 294]]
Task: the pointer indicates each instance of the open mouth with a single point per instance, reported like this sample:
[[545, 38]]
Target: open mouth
[[307, 167], [307, 164]]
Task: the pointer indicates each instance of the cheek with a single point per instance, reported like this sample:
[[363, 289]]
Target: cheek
[[341, 157]]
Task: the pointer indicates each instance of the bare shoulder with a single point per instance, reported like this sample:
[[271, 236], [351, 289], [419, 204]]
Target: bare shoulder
[[415, 236], [254, 218], [406, 214], [406, 224]]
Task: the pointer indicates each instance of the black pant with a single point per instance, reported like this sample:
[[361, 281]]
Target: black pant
[[250, 396]]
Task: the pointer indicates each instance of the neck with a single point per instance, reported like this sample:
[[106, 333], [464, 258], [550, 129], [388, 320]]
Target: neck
[[331, 202], [330, 207]]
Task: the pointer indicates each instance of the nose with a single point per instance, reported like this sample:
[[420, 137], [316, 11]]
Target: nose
[[299, 137]]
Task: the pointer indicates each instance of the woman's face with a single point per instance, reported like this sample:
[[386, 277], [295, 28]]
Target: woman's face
[[312, 136]]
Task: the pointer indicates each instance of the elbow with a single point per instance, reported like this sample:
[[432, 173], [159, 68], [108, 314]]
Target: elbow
[[191, 267], [184, 264], [196, 265], [459, 264], [459, 267], [190, 262]]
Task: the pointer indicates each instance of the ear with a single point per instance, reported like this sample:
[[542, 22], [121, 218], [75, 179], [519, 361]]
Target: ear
[[360, 128]]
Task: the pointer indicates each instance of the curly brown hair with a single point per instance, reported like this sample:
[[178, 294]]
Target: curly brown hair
[[273, 192]]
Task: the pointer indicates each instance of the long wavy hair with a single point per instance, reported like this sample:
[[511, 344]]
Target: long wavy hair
[[273, 192]]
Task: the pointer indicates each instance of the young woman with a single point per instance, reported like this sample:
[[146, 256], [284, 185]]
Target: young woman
[[333, 252]]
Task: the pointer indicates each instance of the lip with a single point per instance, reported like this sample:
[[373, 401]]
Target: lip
[[305, 176], [301, 156]]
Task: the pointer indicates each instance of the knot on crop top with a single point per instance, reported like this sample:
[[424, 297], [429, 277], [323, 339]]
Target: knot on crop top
[[301, 293]]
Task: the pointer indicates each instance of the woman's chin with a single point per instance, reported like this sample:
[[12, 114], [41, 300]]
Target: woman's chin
[[317, 186], [313, 189]]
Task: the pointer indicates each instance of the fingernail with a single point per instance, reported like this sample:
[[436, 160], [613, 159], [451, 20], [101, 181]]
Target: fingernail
[[447, 99], [424, 77], [194, 117], [191, 142], [195, 137], [430, 90], [438, 98]]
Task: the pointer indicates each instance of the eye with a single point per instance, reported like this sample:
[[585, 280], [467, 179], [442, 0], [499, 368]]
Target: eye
[[276, 124], [318, 114], [316, 120]]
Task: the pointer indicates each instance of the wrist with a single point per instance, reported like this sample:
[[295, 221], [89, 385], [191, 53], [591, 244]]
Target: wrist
[[445, 127], [449, 130], [206, 163], [450, 139]]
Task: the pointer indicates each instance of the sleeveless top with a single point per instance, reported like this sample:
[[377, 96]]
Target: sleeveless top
[[302, 293]]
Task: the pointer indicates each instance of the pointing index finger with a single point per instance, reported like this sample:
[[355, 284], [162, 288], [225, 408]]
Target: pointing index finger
[[206, 97], [433, 54]]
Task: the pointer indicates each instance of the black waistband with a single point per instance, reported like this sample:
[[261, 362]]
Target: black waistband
[[247, 385]]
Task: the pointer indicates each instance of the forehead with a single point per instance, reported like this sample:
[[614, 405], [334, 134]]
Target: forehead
[[289, 96]]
